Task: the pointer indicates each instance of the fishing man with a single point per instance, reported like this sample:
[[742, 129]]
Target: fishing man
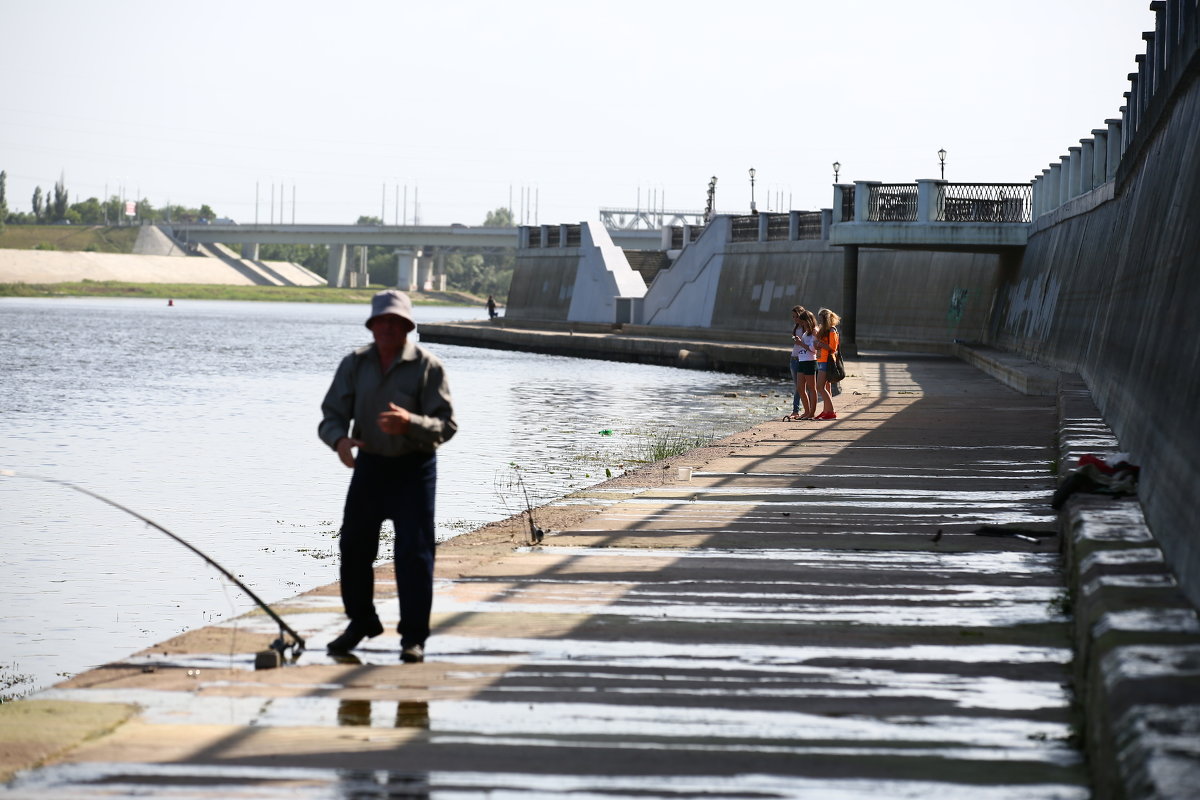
[[395, 395]]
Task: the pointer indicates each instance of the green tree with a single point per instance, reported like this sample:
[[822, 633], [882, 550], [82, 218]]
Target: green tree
[[207, 213], [500, 218], [57, 210], [3, 196], [89, 212], [37, 202]]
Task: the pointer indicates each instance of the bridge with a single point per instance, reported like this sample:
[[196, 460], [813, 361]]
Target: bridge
[[420, 249]]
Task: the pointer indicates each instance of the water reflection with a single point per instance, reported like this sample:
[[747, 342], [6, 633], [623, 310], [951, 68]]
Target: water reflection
[[203, 417], [359, 713]]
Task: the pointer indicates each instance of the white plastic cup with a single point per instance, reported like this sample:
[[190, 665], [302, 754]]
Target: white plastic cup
[[683, 474]]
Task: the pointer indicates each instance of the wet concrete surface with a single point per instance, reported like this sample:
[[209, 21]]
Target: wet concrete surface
[[869, 607]]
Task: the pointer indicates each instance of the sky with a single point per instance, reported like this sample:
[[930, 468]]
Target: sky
[[440, 112]]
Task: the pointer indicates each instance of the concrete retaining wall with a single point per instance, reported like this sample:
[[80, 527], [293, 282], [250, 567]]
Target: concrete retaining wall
[[907, 299], [1112, 294]]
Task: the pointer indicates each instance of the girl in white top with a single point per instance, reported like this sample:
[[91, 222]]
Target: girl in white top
[[803, 363]]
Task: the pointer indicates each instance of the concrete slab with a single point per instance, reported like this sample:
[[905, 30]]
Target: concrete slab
[[869, 607]]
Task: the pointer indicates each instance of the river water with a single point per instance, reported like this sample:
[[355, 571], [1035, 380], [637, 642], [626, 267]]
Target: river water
[[202, 417]]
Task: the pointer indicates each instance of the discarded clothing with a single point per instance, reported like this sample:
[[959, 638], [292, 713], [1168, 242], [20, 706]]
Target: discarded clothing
[[1111, 475]]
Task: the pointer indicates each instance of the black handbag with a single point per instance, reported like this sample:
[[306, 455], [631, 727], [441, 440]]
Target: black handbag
[[835, 370]]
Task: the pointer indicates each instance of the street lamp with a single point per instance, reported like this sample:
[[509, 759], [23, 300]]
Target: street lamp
[[836, 168], [753, 208], [712, 196], [942, 161]]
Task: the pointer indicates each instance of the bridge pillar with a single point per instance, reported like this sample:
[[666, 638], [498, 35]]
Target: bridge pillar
[[850, 299], [425, 281], [361, 278], [250, 251], [406, 270], [439, 280], [336, 270]]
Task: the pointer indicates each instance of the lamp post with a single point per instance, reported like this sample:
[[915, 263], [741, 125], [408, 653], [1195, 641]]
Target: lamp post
[[712, 197], [942, 161], [753, 208], [837, 166]]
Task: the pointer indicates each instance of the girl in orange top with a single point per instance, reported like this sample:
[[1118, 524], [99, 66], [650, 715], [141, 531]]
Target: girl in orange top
[[827, 344]]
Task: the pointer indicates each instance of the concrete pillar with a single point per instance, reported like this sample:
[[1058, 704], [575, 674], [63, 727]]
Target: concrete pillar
[[1065, 180], [762, 227], [850, 299], [1149, 74], [1099, 156], [425, 281], [862, 200], [1115, 148], [406, 270], [364, 279], [439, 281], [1054, 187], [1086, 167], [930, 206], [1169, 38], [1159, 7], [826, 222], [250, 251], [336, 269], [1076, 159], [1040, 184]]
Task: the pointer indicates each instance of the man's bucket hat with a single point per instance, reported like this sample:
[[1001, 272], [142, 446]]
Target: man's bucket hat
[[392, 301]]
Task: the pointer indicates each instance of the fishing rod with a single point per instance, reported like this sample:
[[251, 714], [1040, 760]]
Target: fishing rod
[[280, 645], [535, 532]]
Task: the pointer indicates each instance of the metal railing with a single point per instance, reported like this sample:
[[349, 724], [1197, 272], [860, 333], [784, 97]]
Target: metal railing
[[574, 236], [778, 227], [893, 202], [985, 202], [552, 238], [744, 229], [535, 237], [848, 204], [810, 225]]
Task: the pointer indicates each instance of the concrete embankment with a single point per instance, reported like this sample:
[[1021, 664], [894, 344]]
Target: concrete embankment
[[866, 608], [53, 266], [689, 348]]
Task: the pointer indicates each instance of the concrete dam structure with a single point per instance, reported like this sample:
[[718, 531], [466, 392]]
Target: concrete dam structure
[[1096, 272]]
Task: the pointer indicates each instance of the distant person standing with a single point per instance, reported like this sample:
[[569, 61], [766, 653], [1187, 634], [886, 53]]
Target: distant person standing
[[802, 364], [390, 401], [828, 342], [491, 307]]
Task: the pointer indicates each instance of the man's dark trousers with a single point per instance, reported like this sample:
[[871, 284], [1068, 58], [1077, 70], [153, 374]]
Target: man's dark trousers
[[401, 489]]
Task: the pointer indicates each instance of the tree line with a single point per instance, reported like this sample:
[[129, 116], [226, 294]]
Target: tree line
[[54, 206]]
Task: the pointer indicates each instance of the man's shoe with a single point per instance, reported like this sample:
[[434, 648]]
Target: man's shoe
[[355, 633], [412, 654]]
